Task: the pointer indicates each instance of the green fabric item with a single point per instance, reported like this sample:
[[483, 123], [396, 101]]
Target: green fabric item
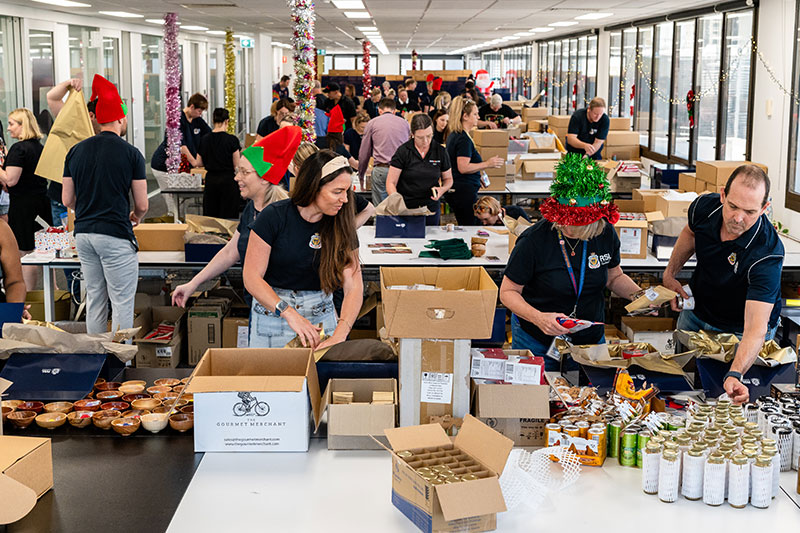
[[580, 182], [448, 249], [255, 154]]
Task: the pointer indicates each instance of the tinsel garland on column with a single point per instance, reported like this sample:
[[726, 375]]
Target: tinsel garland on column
[[172, 69], [230, 81], [413, 60], [303, 18], [367, 78]]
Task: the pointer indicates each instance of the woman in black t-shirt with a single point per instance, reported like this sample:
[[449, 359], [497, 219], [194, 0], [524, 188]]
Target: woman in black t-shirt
[[28, 191], [420, 170], [561, 266], [219, 153], [440, 119], [300, 251], [489, 212]]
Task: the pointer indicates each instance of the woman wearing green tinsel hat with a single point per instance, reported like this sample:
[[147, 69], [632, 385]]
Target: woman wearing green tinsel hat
[[561, 265]]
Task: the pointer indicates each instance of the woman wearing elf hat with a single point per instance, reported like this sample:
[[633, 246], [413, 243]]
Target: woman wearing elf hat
[[334, 140], [561, 265], [260, 168], [300, 251]]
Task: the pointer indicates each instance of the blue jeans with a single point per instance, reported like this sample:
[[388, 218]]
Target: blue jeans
[[378, 184], [522, 340], [688, 321], [270, 331]]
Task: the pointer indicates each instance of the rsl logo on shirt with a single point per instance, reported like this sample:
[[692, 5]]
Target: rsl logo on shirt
[[315, 242], [594, 261]]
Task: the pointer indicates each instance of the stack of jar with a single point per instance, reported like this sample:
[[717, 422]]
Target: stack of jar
[[779, 419], [718, 455]]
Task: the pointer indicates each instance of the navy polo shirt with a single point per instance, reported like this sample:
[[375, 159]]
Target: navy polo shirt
[[730, 273]]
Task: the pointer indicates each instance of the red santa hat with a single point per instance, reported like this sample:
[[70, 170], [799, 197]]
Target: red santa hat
[[336, 122], [110, 106], [271, 155], [430, 78], [437, 84]]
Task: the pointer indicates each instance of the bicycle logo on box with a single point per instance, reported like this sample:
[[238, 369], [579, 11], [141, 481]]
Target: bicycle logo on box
[[250, 405]]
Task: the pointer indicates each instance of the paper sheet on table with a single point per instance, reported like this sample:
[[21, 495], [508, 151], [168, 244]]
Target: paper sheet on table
[[722, 347], [394, 205], [28, 338], [72, 125], [201, 224]]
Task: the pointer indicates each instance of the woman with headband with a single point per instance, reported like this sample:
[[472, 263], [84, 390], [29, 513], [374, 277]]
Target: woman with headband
[[301, 250]]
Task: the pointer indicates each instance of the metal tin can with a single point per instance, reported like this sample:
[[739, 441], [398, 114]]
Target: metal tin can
[[552, 434], [641, 444], [572, 431], [469, 477], [583, 429], [627, 448], [598, 434], [405, 454], [613, 437]]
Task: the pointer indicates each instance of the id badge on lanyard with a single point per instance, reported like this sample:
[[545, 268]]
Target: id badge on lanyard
[[552, 351]]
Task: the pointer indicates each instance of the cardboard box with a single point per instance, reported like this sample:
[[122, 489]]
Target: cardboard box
[[652, 330], [632, 238], [558, 121], [236, 328], [542, 143], [350, 427], [622, 138], [673, 208], [36, 300], [249, 139], [537, 126], [538, 169], [26, 472], [701, 186], [156, 353], [620, 153], [205, 326], [687, 181], [462, 307], [254, 400], [483, 138], [649, 197], [619, 124], [717, 172], [488, 152], [457, 507], [534, 113], [614, 336], [400, 227], [496, 183], [160, 237]]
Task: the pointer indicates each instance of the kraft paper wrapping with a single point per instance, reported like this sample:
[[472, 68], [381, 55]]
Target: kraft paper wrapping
[[516, 226], [610, 356], [72, 125], [395, 206], [29, 338], [722, 347], [652, 297], [216, 226]]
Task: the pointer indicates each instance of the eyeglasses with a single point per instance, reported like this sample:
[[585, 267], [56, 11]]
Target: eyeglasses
[[423, 138], [243, 171]]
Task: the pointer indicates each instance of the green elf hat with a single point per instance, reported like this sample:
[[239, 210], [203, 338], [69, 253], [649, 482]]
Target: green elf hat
[[580, 194], [271, 155], [110, 106]]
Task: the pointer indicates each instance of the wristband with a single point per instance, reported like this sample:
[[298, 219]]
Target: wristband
[[733, 374]]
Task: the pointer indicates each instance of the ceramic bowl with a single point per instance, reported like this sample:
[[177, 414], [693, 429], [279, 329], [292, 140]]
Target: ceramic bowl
[[181, 422], [135, 413], [141, 382], [131, 389], [6, 411], [185, 381], [58, 407], [80, 419], [154, 422], [14, 404], [131, 397], [167, 382], [178, 388], [51, 420], [109, 395], [108, 385], [187, 409], [98, 381], [22, 419], [146, 403], [102, 419], [36, 407], [159, 389], [188, 396], [117, 406], [162, 410], [87, 405], [180, 403], [126, 426]]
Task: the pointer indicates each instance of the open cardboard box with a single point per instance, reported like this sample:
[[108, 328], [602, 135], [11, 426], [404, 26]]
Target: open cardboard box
[[633, 233], [254, 399], [26, 473], [159, 353], [350, 426], [466, 506], [160, 237]]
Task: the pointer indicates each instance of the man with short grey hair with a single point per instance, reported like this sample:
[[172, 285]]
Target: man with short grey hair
[[498, 113]]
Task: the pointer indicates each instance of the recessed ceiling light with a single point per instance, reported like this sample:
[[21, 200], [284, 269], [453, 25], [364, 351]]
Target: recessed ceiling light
[[357, 14], [216, 32], [594, 16], [541, 30], [63, 3], [157, 21], [349, 4], [240, 36], [194, 28], [563, 24], [366, 28], [122, 14]]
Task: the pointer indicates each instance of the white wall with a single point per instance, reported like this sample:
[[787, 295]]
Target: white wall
[[262, 75], [603, 49], [388, 64]]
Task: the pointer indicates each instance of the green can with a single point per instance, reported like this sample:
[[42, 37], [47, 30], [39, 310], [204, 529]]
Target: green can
[[627, 448], [644, 438], [614, 430]]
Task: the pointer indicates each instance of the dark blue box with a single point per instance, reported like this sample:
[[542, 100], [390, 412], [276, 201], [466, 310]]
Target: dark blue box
[[757, 379], [51, 377], [399, 227], [201, 253]]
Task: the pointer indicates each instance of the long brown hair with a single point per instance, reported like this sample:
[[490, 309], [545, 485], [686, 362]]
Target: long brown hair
[[337, 233]]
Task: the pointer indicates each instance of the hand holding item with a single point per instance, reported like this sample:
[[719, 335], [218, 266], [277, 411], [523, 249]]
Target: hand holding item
[[497, 162], [548, 323], [737, 391], [590, 149], [306, 331], [181, 294], [134, 219], [674, 285]]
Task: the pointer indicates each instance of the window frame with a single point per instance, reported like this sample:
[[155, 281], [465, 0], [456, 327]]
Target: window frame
[[792, 199]]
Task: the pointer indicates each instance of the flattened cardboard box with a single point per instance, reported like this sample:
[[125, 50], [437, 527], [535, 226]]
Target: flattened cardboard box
[[254, 400], [470, 506], [351, 426], [26, 473], [160, 237]]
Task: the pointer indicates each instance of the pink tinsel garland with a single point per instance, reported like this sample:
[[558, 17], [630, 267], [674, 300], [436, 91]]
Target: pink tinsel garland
[[367, 78], [172, 69]]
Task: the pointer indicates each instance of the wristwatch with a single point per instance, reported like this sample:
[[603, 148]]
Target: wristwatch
[[732, 374], [281, 307]]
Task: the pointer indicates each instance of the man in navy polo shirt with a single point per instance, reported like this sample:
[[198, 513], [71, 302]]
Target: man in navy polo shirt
[[736, 284], [588, 129]]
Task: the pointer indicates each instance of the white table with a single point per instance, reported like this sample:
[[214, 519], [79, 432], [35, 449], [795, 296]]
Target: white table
[[351, 491], [529, 187]]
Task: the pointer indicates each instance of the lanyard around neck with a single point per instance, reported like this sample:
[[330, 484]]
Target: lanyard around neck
[[577, 286]]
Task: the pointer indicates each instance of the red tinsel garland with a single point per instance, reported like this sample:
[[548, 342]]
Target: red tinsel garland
[[366, 77], [565, 215]]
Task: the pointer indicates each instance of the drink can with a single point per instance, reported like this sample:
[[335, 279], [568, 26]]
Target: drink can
[[641, 444], [583, 429], [627, 448], [613, 435]]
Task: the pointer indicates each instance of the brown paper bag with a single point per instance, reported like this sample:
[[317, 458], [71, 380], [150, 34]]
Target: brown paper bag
[[395, 206], [652, 297], [26, 338], [218, 226], [72, 125], [516, 226]]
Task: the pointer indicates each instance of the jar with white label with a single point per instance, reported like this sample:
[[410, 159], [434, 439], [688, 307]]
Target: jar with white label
[[714, 480], [751, 412], [693, 465], [669, 471], [651, 459], [738, 481], [761, 480], [772, 452]]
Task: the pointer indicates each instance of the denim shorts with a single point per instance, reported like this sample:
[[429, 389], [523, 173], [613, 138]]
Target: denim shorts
[[688, 321], [270, 331]]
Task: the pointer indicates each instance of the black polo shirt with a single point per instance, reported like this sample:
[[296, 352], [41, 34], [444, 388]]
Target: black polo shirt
[[732, 272], [487, 113], [587, 131], [537, 264], [409, 106], [419, 174]]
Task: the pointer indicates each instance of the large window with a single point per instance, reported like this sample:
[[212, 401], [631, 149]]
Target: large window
[[40, 48], [793, 181], [567, 71], [658, 70], [153, 94]]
